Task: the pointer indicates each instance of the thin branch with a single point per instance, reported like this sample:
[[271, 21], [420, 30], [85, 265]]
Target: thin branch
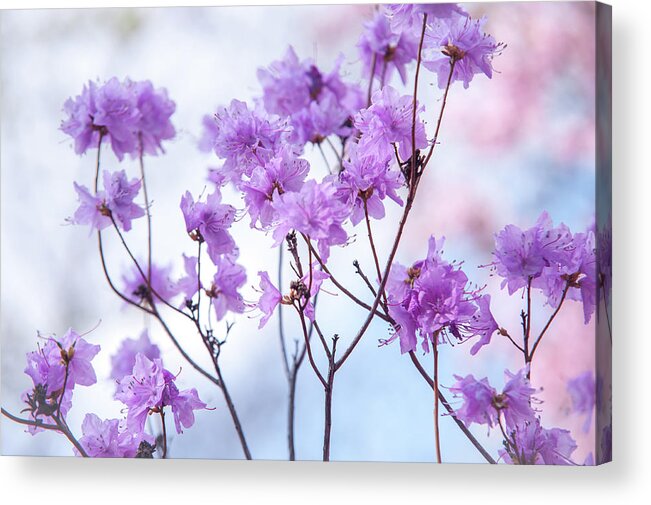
[[451, 411], [437, 437], [147, 210], [60, 427], [369, 93], [309, 348], [438, 122], [162, 420], [281, 326], [549, 322], [373, 250], [342, 288]]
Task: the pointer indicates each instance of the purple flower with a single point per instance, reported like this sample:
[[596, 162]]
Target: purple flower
[[209, 222], [123, 361], [269, 299], [384, 51], [517, 398], [115, 201], [245, 139], [389, 121], [107, 111], [92, 209], [431, 299], [129, 115], [478, 397], [230, 277], [531, 444], [189, 285], [79, 123], [155, 110], [141, 391], [151, 388], [461, 40], [48, 365], [483, 405], [315, 212], [552, 259], [319, 120], [120, 195], [183, 403], [55, 369], [109, 438], [284, 172], [209, 134], [583, 390], [523, 255], [367, 181], [317, 104], [406, 17], [137, 289]]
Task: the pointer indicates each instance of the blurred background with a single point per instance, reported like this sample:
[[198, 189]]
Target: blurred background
[[511, 147]]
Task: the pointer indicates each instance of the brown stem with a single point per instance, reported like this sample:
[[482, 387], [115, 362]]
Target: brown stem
[[437, 437], [342, 288], [290, 414], [162, 421], [451, 411], [414, 107], [233, 412], [438, 122], [144, 189], [369, 93], [549, 322], [59, 426], [309, 348], [327, 429], [281, 326], [373, 250]]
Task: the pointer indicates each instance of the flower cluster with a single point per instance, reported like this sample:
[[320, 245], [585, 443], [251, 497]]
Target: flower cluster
[[131, 115], [110, 438], [365, 182], [431, 298], [482, 404], [149, 389], [531, 444], [55, 370], [317, 104], [457, 49], [551, 259], [112, 205]]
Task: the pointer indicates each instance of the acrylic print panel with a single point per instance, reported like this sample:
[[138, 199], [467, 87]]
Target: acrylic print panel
[[372, 233]]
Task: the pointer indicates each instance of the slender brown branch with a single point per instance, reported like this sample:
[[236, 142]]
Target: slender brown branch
[[322, 338], [373, 250], [369, 93], [147, 210], [437, 436], [233, 412], [60, 427], [309, 348], [327, 428], [549, 322], [342, 288], [281, 326], [415, 104], [438, 121], [451, 411], [162, 421], [29, 422]]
